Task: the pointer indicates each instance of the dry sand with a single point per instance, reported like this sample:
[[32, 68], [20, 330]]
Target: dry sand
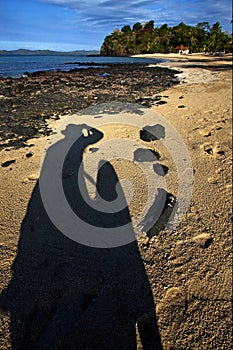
[[189, 271]]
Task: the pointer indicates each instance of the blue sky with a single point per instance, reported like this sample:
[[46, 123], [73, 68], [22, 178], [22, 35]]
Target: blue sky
[[79, 24]]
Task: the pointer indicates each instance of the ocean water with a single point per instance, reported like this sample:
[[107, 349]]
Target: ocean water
[[16, 65]]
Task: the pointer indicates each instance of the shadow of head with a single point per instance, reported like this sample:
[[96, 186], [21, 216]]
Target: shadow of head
[[83, 133]]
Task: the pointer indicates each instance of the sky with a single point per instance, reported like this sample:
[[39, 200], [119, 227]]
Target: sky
[[66, 25]]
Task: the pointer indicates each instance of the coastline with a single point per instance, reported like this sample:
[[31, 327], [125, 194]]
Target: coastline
[[189, 270], [30, 102], [194, 68]]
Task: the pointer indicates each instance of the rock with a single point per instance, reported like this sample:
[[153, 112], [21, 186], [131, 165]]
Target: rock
[[7, 163], [33, 177], [161, 103], [160, 169], [181, 106], [152, 133], [205, 132], [29, 155], [203, 240], [145, 155]]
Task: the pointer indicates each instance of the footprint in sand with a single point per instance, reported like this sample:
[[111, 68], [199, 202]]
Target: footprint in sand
[[213, 149]]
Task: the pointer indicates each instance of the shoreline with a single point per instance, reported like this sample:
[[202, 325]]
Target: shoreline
[[189, 270], [28, 103]]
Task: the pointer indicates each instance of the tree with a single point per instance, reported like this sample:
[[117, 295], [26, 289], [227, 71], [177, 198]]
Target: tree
[[137, 26], [164, 37], [216, 37], [203, 26], [147, 39], [149, 25], [126, 29]]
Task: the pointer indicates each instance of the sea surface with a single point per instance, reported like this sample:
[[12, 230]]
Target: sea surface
[[16, 65]]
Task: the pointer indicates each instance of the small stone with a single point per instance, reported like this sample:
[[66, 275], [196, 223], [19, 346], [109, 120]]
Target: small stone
[[205, 132], [203, 240], [29, 155], [161, 103], [7, 163], [33, 177]]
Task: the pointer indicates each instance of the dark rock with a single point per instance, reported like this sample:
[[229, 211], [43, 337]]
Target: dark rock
[[152, 133], [161, 103], [44, 95], [7, 163], [160, 169], [145, 155], [29, 155], [164, 218]]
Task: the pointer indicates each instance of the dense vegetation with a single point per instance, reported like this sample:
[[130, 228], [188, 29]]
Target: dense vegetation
[[145, 38]]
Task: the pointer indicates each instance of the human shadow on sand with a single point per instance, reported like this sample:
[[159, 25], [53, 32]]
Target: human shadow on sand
[[64, 295]]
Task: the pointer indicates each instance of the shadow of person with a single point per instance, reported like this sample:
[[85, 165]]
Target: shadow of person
[[65, 295]]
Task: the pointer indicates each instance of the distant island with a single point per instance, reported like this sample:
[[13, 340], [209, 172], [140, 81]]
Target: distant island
[[50, 52], [146, 38]]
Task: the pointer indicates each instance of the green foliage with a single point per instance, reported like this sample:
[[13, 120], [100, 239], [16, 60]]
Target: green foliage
[[126, 29], [137, 26], [149, 25], [145, 38]]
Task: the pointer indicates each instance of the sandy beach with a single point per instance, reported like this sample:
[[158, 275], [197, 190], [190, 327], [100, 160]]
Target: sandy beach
[[58, 294]]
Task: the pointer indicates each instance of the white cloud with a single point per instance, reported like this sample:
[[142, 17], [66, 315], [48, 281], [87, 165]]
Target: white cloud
[[103, 13]]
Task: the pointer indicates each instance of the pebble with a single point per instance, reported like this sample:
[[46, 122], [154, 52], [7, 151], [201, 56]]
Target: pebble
[[203, 240], [205, 132], [32, 177], [7, 163], [29, 155]]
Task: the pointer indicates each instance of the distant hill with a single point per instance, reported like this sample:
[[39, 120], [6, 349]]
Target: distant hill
[[49, 52]]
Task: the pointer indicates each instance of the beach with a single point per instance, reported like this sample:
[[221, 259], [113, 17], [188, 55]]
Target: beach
[[58, 294]]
